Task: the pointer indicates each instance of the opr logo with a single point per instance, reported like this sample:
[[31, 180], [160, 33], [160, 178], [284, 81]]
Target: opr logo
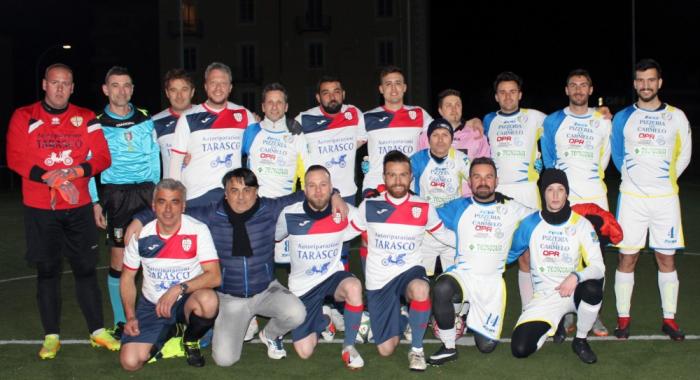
[[649, 136], [479, 227], [268, 155], [550, 253], [576, 141], [437, 184], [503, 138]]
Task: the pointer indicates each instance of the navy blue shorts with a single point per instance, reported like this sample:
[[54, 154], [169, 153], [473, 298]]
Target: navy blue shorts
[[384, 305], [313, 302], [154, 330]]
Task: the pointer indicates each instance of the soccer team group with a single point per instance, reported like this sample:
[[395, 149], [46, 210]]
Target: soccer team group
[[472, 196]]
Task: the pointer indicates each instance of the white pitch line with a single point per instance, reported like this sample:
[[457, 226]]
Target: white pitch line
[[463, 341], [34, 276]]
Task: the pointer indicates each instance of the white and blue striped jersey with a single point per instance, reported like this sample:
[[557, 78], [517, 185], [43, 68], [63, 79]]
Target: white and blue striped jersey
[[651, 149], [436, 181], [513, 140], [580, 146], [276, 156]]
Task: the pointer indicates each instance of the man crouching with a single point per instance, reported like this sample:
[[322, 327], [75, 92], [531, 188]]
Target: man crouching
[[180, 268]]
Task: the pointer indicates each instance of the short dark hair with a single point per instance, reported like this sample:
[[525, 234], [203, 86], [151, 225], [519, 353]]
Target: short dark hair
[[326, 79], [508, 76], [483, 161], [274, 87], [390, 70], [245, 174], [396, 156], [58, 65], [646, 64], [317, 168], [117, 70], [579, 73], [445, 93], [174, 74]]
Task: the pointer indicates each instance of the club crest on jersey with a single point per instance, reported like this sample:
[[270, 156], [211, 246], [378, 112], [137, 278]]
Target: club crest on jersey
[[666, 116], [501, 209], [128, 136], [412, 114], [522, 119], [186, 244], [288, 139], [238, 117], [55, 121], [569, 230], [594, 123], [348, 115], [76, 121], [416, 212], [336, 218]]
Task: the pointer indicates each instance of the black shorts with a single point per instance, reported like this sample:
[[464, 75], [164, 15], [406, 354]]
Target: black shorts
[[120, 203], [52, 234]]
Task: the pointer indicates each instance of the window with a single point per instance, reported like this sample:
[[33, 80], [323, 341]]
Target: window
[[385, 8], [190, 59], [314, 13], [385, 53], [246, 14], [315, 55], [248, 99], [247, 61], [189, 16]]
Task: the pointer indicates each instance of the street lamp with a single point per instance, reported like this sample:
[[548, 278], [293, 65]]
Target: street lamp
[[38, 64]]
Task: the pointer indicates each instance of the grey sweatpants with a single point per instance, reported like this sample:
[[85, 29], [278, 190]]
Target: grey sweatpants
[[283, 308]]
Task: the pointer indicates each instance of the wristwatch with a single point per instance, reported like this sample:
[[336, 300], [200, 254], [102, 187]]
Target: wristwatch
[[183, 288]]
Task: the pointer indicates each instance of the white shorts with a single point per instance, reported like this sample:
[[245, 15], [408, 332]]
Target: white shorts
[[487, 301], [661, 216], [526, 193], [431, 249], [549, 308], [602, 202]]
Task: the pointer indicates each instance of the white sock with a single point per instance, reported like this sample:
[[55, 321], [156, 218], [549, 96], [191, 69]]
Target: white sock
[[525, 284], [417, 349], [587, 314], [668, 287], [624, 284], [448, 337], [98, 331]]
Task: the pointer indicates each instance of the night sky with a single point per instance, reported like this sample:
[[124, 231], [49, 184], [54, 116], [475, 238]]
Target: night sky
[[471, 42]]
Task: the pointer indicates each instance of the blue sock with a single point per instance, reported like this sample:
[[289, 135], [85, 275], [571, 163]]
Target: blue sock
[[353, 317], [403, 321], [418, 315], [114, 296]]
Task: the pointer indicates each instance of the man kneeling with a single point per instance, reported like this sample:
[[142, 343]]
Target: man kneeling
[[180, 268], [560, 241]]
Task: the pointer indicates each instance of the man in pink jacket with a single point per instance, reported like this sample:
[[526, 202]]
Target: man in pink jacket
[[468, 136]]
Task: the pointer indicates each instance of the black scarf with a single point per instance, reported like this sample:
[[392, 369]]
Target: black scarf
[[241, 242], [558, 217]]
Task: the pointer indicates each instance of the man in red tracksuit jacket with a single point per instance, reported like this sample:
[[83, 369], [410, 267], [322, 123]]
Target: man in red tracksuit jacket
[[56, 147]]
